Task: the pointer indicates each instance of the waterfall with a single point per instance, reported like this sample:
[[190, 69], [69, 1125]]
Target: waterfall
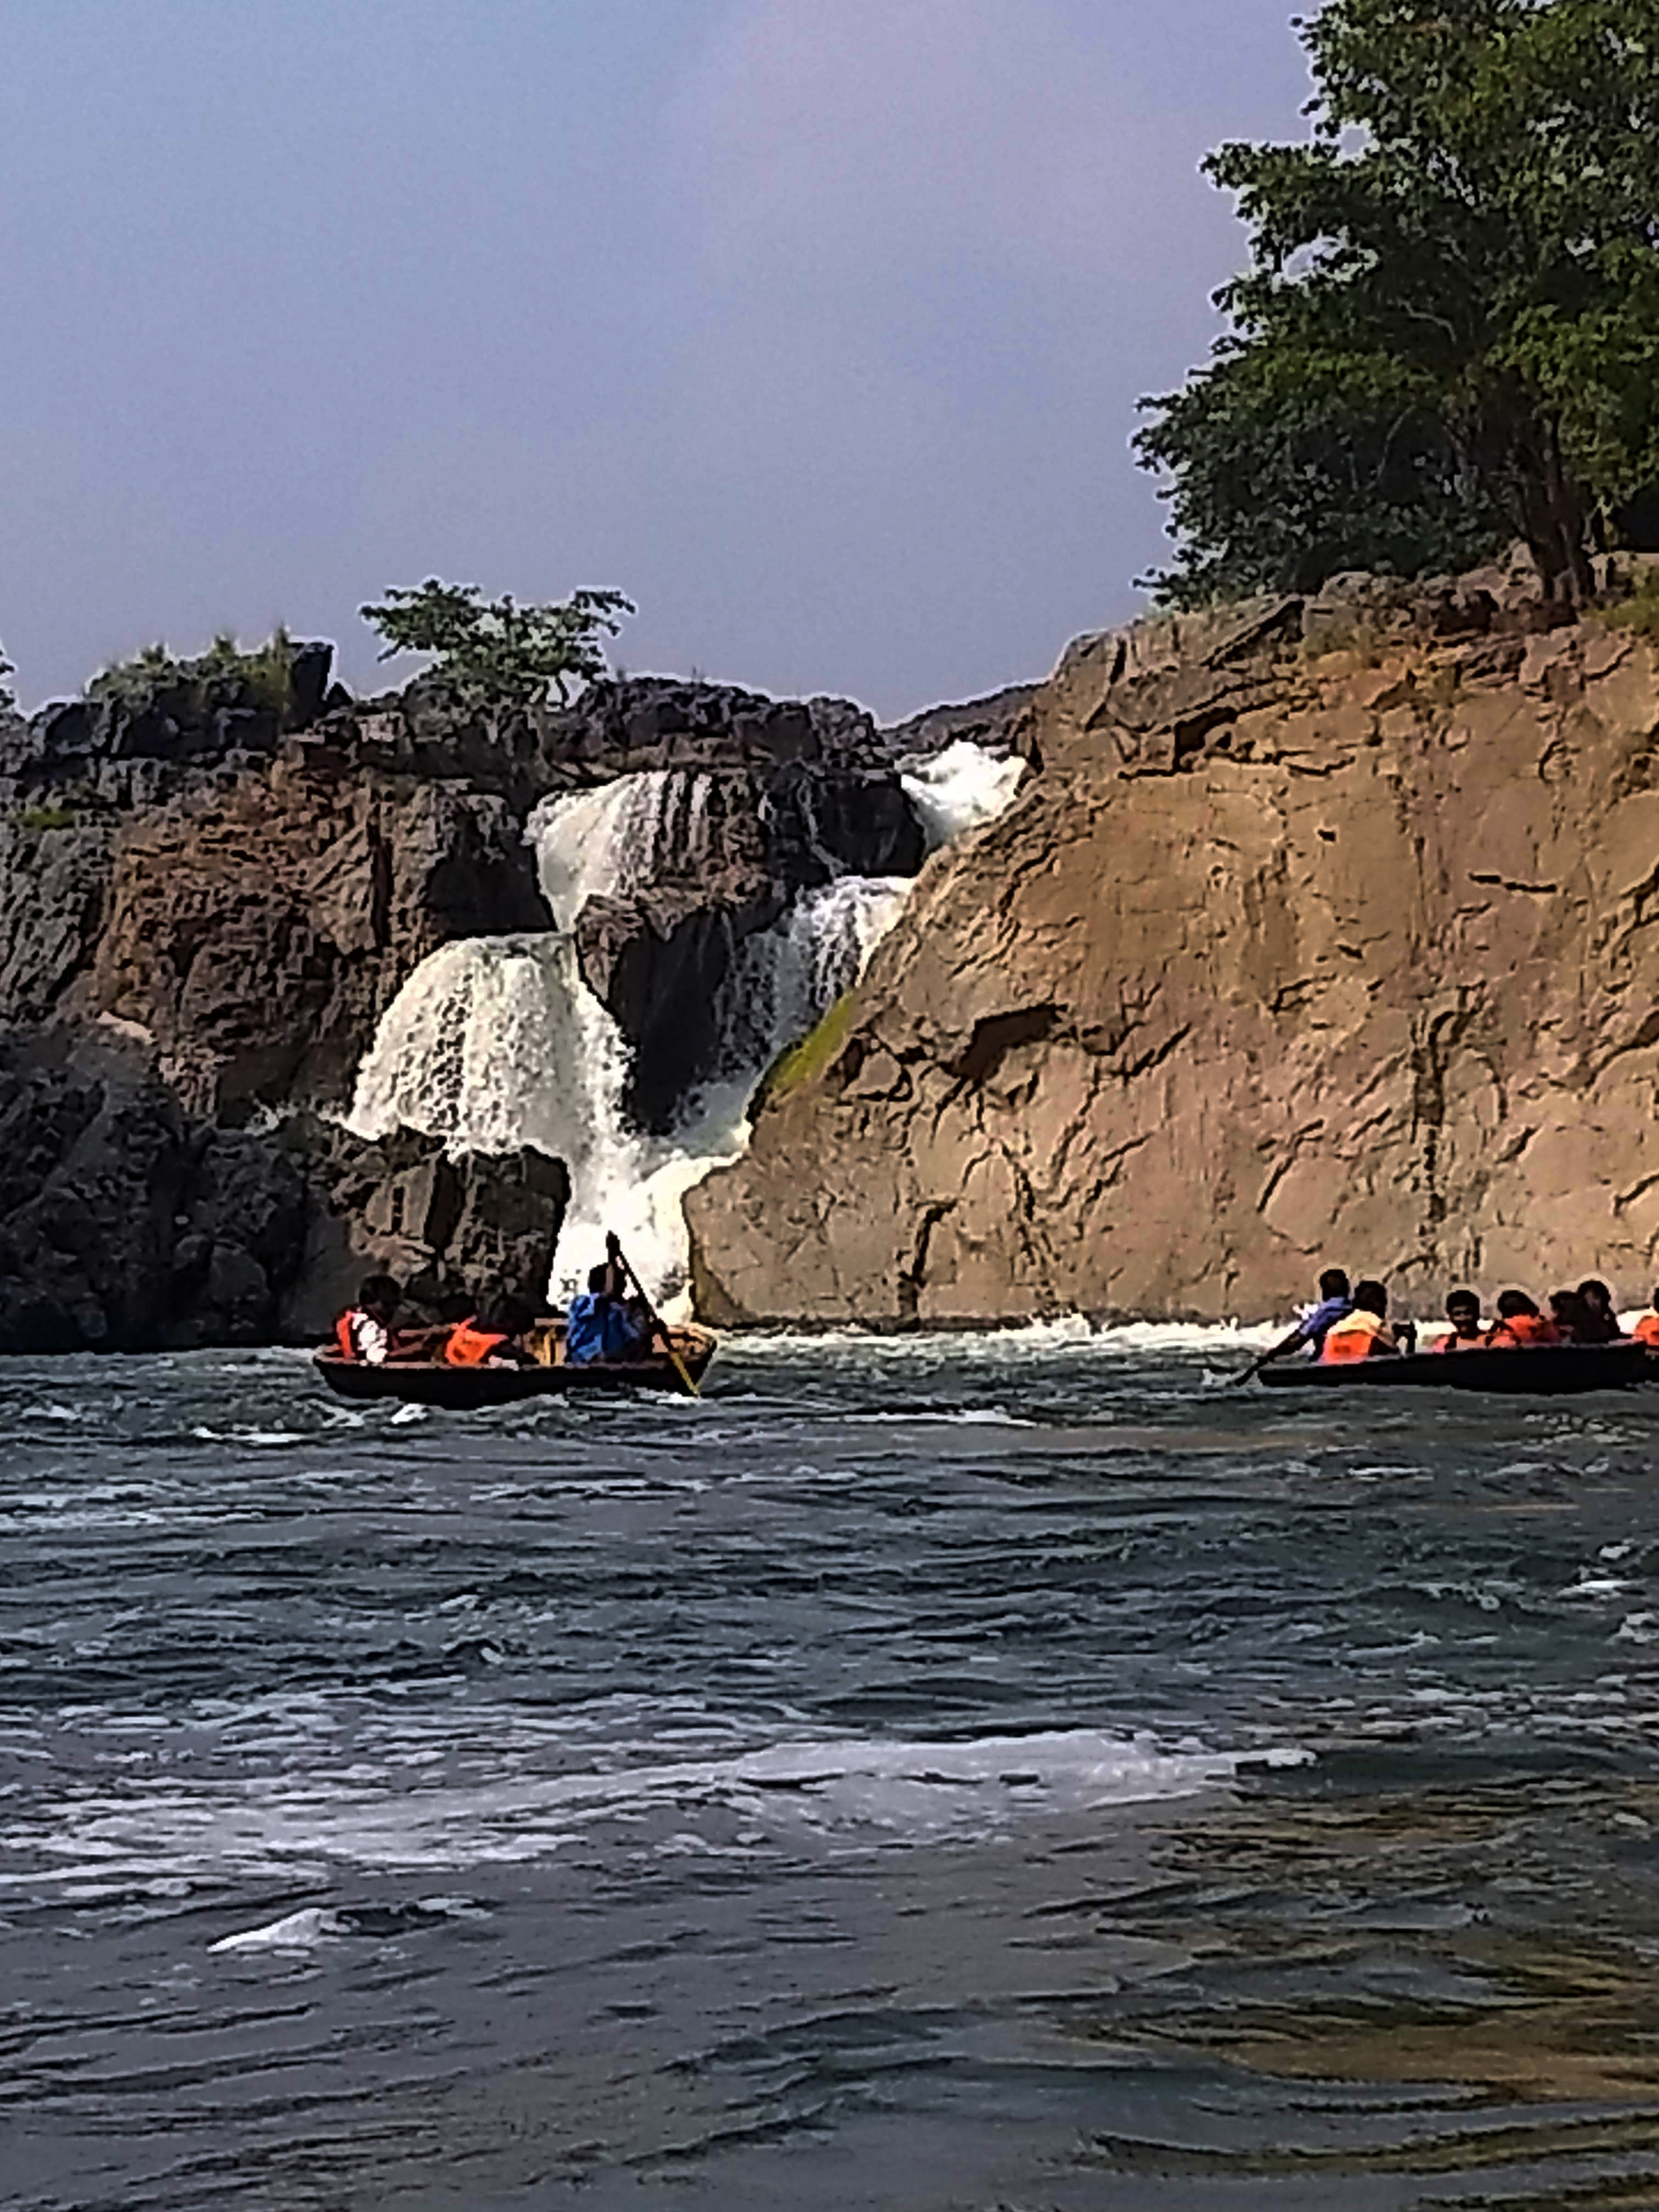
[[620, 836], [787, 978], [959, 788], [493, 1043]]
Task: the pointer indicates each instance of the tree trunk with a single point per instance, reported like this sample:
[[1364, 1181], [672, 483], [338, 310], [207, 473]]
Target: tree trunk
[[1554, 517]]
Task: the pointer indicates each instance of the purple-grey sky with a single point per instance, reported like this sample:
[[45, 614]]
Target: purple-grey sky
[[816, 326]]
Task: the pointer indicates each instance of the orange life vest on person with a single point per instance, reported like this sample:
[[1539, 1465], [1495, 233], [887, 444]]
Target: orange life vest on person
[[1520, 1329], [1356, 1336], [1455, 1343], [343, 1338], [1646, 1330], [469, 1346]]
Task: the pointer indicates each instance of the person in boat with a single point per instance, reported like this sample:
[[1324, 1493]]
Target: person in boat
[[494, 1337], [1335, 1302], [1364, 1332], [1568, 1316], [1519, 1326], [1646, 1330], [1598, 1317], [364, 1331], [600, 1324], [1463, 1312]]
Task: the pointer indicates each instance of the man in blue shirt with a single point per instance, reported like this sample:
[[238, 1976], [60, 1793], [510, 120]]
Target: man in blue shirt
[[598, 1325], [1335, 1304]]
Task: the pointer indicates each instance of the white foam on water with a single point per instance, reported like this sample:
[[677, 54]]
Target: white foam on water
[[1068, 1332], [295, 1931], [842, 1793]]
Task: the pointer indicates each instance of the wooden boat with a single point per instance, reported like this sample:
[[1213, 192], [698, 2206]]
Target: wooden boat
[[430, 1381], [1545, 1370]]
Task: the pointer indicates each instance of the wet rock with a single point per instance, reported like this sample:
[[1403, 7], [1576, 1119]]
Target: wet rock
[[124, 1224], [452, 1231]]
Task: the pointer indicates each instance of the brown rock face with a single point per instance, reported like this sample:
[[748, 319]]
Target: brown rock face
[[258, 934], [1279, 962]]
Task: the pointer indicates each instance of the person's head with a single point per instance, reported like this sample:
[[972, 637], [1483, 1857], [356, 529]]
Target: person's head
[[1511, 1304], [379, 1296], [1371, 1298], [507, 1314], [1566, 1307], [1463, 1312], [1333, 1282], [1597, 1296], [598, 1278]]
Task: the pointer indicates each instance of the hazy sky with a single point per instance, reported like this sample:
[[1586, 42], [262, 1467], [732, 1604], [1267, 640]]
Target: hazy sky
[[816, 326]]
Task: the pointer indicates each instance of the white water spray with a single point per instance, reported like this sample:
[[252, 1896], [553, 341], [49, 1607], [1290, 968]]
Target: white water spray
[[961, 788], [495, 1042]]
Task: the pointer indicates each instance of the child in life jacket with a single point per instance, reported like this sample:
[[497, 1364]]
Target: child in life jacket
[[494, 1337], [1519, 1324], [364, 1331], [1364, 1333]]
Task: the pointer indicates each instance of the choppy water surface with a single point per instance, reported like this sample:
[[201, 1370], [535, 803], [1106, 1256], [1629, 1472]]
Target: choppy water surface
[[1009, 1773]]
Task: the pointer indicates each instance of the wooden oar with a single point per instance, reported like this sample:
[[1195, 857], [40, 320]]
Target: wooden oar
[[614, 1247], [1248, 1374]]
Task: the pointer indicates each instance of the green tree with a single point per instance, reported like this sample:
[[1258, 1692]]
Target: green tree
[[1469, 246], [1276, 488], [494, 653]]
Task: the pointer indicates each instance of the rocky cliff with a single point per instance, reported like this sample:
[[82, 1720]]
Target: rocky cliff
[[1327, 932], [216, 875]]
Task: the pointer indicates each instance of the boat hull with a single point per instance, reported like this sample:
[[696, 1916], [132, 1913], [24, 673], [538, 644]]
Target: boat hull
[[1551, 1371], [475, 1389]]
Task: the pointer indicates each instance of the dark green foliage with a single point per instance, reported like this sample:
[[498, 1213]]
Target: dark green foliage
[[1276, 490], [494, 653], [1469, 246], [224, 676]]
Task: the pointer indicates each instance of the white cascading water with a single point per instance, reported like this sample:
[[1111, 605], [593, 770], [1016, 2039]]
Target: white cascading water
[[495, 1042], [959, 788]]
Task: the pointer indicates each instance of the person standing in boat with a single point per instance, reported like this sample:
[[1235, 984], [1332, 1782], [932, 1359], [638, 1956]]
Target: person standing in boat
[[364, 1331], [1362, 1332], [1463, 1312], [1336, 1303], [1519, 1325]]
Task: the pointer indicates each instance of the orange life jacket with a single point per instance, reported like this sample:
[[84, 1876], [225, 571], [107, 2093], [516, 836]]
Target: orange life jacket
[[1646, 1330], [469, 1346], [1455, 1343], [1356, 1336], [1521, 1329], [343, 1338]]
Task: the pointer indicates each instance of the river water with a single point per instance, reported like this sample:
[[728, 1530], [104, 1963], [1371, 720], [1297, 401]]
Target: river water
[[1002, 1773]]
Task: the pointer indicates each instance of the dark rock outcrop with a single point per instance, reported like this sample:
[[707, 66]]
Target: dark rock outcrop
[[451, 1230], [129, 1224], [125, 1224]]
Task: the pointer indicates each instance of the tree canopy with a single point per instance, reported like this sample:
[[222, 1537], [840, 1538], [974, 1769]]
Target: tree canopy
[[1450, 328], [494, 653]]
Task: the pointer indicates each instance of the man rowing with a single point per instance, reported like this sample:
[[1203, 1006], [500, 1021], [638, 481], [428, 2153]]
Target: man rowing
[[1335, 1302]]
